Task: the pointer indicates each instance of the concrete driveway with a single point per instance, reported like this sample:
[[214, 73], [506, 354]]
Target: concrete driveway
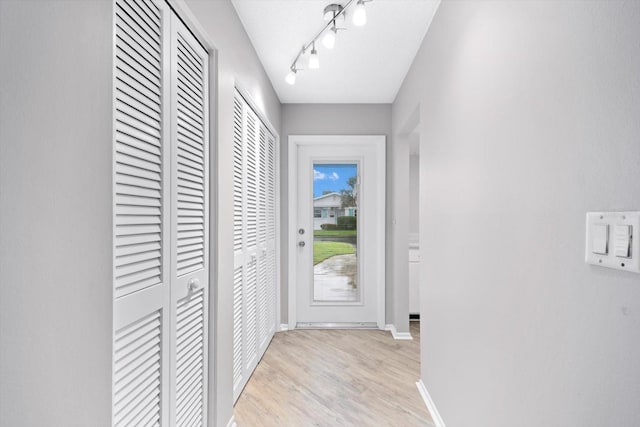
[[336, 279]]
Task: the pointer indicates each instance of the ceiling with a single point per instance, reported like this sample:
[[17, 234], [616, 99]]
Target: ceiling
[[367, 64]]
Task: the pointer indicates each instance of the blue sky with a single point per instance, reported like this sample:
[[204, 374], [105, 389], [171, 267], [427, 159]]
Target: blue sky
[[332, 177]]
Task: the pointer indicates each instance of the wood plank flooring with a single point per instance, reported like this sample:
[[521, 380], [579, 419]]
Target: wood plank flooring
[[335, 378]]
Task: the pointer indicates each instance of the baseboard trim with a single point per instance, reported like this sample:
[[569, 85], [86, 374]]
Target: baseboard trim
[[232, 422], [398, 335], [284, 327], [431, 407]]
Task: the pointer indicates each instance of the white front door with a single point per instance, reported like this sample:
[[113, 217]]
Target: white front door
[[337, 194]]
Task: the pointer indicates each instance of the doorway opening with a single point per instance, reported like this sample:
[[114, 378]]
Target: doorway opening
[[414, 227]]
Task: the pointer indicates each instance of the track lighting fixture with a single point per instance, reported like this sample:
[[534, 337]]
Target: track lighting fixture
[[332, 13]]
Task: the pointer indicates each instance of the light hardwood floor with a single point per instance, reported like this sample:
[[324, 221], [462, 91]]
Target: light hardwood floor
[[335, 378]]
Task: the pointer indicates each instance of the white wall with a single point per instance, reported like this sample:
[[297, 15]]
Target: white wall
[[325, 119], [55, 213], [237, 62], [529, 119]]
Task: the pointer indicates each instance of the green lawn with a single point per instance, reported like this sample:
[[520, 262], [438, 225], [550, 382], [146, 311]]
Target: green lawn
[[335, 233], [324, 250]]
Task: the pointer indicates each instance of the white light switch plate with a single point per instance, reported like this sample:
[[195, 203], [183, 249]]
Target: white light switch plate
[[595, 221]]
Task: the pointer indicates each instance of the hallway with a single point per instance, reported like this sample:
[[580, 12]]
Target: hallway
[[335, 378], [150, 212]]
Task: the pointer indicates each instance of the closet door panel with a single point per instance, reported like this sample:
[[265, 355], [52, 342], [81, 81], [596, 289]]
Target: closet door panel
[[263, 227], [238, 246], [271, 237], [190, 228], [141, 206], [250, 317]]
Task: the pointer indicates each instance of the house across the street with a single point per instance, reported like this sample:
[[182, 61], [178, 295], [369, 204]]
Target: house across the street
[[327, 208]]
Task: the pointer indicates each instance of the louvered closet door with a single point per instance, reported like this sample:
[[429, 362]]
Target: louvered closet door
[[160, 224], [261, 285], [238, 245], [251, 171], [266, 239], [189, 228], [141, 198], [254, 303], [271, 286]]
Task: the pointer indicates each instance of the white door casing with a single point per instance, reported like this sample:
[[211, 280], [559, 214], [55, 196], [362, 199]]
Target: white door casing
[[369, 153]]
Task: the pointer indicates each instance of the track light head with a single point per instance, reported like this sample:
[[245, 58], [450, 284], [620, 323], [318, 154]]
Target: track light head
[[314, 61], [331, 13], [291, 77], [329, 39], [359, 14]]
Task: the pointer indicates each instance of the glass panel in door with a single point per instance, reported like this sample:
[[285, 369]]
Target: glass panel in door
[[335, 233]]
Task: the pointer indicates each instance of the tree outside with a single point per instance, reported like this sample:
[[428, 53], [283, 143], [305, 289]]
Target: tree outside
[[349, 195]]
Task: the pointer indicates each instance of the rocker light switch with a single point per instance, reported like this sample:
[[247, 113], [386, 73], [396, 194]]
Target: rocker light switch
[[600, 239], [622, 242], [610, 241]]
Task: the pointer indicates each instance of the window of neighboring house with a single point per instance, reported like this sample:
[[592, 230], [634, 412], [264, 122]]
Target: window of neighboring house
[[324, 212], [350, 211], [332, 213], [317, 213]]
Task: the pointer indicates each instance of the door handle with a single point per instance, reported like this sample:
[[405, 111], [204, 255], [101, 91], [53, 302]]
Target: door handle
[[194, 284], [301, 244]]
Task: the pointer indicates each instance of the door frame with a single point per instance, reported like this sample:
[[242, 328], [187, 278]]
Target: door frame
[[296, 141]]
